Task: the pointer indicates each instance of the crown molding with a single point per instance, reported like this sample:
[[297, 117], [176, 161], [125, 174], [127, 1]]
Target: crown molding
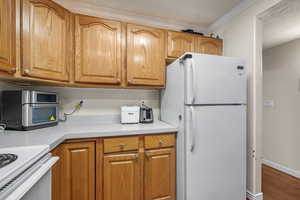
[[126, 16], [230, 15]]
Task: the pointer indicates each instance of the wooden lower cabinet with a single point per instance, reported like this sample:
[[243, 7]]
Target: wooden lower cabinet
[[160, 174], [86, 172], [56, 175], [121, 177], [78, 171]]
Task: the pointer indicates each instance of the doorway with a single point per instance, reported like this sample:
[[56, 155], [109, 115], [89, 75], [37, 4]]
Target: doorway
[[281, 102]]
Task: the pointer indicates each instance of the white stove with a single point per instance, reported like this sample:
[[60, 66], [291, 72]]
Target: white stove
[[21, 168], [6, 159]]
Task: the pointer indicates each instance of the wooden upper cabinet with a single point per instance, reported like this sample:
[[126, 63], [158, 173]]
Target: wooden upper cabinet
[[122, 177], [179, 43], [160, 174], [7, 36], [145, 56], [46, 37], [97, 50], [209, 46], [78, 171]]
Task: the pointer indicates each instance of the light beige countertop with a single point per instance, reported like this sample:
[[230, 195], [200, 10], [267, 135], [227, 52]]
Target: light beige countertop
[[81, 127]]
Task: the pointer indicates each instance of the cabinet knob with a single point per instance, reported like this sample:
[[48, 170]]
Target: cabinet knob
[[12, 71], [122, 146], [26, 71], [161, 142], [147, 156]]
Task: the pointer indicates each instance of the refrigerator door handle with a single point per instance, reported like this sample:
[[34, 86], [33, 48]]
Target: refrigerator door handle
[[192, 135], [193, 80]]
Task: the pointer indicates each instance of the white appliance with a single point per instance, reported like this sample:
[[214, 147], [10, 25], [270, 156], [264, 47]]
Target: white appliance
[[29, 176], [130, 114], [205, 96]]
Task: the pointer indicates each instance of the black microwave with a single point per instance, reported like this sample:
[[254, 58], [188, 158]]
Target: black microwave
[[28, 110]]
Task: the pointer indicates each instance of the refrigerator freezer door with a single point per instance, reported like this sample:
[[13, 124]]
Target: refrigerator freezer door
[[215, 152], [214, 80]]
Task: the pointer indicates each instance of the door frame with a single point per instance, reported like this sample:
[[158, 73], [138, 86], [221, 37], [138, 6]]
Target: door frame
[[257, 89]]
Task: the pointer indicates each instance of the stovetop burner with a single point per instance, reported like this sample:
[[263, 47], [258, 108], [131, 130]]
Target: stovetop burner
[[6, 159]]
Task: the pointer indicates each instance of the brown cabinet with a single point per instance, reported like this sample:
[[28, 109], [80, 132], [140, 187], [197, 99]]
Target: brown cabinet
[[160, 174], [121, 168], [123, 144], [8, 36], [41, 41], [56, 175], [122, 177], [78, 171], [46, 39], [145, 56], [209, 46], [159, 141], [97, 50], [179, 43]]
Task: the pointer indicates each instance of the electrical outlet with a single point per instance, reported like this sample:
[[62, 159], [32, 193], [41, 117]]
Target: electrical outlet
[[269, 103]]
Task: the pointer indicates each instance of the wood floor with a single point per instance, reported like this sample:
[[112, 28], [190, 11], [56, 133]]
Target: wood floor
[[279, 186]]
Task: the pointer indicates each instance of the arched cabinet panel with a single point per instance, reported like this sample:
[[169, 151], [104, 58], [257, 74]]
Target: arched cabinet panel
[[97, 50], [179, 43], [46, 39], [145, 56]]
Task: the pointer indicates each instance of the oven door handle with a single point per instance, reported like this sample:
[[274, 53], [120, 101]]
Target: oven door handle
[[22, 189]]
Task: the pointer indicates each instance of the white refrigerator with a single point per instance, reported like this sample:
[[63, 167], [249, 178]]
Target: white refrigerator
[[205, 96]]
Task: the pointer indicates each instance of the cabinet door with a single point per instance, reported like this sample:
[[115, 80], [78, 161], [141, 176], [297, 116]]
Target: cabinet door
[[209, 46], [160, 174], [179, 43], [122, 177], [98, 50], [56, 175], [78, 171], [46, 37], [7, 36], [145, 56]]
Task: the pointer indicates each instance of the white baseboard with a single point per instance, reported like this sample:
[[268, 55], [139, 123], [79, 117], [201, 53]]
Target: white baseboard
[[282, 168], [252, 196]]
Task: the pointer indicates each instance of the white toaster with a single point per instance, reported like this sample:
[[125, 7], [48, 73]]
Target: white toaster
[[130, 114]]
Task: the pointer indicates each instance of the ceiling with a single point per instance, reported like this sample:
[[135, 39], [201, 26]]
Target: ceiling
[[197, 12], [282, 24]]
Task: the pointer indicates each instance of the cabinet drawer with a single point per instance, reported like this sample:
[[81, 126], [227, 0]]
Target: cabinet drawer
[[121, 144], [158, 141]]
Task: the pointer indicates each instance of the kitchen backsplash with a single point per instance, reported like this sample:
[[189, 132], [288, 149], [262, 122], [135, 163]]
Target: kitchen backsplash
[[7, 86], [98, 101], [104, 101]]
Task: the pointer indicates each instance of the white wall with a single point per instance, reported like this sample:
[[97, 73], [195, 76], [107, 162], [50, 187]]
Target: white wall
[[281, 127], [6, 86], [242, 38], [98, 101], [85, 8]]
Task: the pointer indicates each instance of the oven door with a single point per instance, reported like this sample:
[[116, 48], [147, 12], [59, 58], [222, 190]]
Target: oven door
[[39, 114], [33, 184]]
